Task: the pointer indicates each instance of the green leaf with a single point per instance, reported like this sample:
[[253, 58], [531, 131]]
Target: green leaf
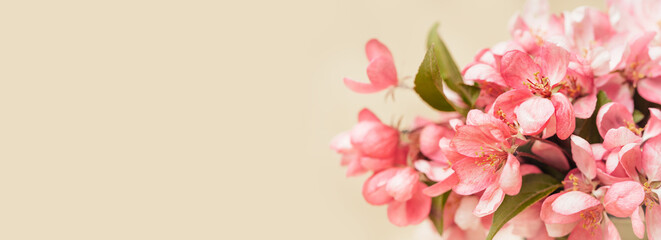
[[429, 84], [534, 187], [588, 128], [449, 71], [637, 116], [437, 208]]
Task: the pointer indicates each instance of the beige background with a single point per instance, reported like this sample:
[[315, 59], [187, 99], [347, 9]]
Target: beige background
[[204, 119]]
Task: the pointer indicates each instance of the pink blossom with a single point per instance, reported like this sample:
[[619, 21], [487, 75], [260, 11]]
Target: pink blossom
[[484, 161], [380, 71], [401, 190], [532, 102], [534, 25], [578, 214], [370, 145]]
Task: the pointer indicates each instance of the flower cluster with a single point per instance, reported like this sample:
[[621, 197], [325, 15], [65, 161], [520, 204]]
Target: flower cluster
[[559, 125]]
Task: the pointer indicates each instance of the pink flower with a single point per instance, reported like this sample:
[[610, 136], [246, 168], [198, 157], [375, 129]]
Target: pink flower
[[533, 103], [484, 161], [534, 25], [401, 189], [578, 214], [643, 166], [370, 145], [380, 71]]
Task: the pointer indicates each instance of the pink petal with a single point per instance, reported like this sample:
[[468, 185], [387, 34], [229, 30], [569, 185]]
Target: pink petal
[[554, 61], [510, 177], [381, 72], [402, 184], [557, 230], [361, 87], [619, 137], [464, 217], [612, 115], [354, 166], [508, 102], [649, 89], [551, 155], [653, 222], [375, 139], [374, 48], [533, 114], [564, 116], [491, 198], [573, 202], [650, 159], [517, 67], [473, 178], [367, 115], [582, 154], [630, 159], [609, 229], [430, 136], [376, 164], [481, 72], [374, 189], [441, 187], [411, 212], [341, 143], [435, 171], [623, 198], [526, 169], [551, 217], [473, 140], [653, 127], [608, 179], [637, 223], [584, 107]]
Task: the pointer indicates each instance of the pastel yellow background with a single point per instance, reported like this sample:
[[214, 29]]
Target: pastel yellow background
[[205, 119]]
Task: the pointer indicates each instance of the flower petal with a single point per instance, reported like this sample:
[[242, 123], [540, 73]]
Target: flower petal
[[564, 116], [653, 222], [623, 198], [430, 136], [510, 177], [473, 178], [612, 115], [464, 217], [551, 217], [653, 127], [618, 137], [402, 184], [490, 201], [584, 107], [582, 154], [651, 163], [374, 48], [381, 72], [533, 114], [441, 187], [361, 87], [367, 115], [517, 67], [573, 202], [637, 223], [374, 189], [554, 61], [649, 89], [551, 155], [411, 212]]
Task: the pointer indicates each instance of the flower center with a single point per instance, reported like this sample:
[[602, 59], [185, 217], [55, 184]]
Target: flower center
[[633, 128], [539, 85], [591, 218], [491, 161], [571, 87], [651, 198], [503, 117]]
